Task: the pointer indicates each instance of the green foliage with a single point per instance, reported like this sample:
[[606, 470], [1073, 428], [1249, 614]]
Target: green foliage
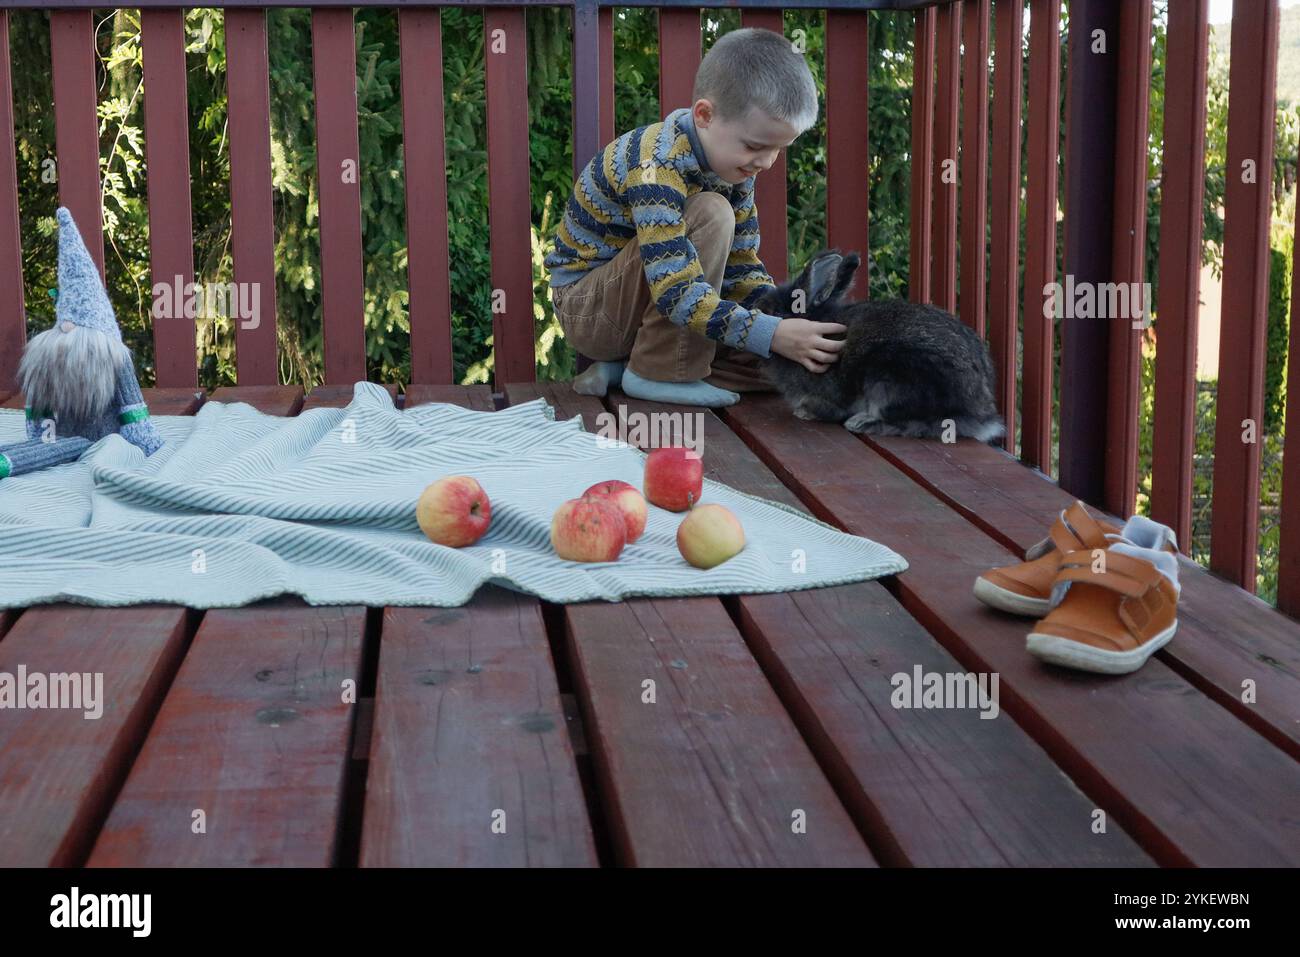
[[1275, 349]]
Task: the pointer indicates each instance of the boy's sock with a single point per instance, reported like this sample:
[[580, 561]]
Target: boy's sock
[[681, 393], [598, 377]]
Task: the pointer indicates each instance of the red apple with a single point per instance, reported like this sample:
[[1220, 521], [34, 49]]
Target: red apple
[[588, 530], [628, 500], [709, 536], [454, 511], [674, 478]]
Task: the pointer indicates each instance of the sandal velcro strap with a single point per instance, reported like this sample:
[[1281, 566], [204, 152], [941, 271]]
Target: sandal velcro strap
[[1134, 578], [1122, 573], [1075, 529]]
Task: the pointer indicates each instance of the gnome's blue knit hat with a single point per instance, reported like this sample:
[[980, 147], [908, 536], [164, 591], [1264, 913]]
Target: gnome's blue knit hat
[[82, 297]]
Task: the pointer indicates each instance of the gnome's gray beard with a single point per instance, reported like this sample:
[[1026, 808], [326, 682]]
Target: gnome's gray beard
[[73, 374]]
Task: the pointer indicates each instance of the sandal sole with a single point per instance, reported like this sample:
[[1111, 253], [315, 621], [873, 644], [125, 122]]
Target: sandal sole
[[1003, 599], [1075, 654]]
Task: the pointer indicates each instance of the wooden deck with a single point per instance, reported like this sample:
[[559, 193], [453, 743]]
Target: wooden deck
[[512, 732]]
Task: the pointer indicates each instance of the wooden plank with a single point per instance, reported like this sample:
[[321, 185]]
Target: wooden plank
[[425, 164], [1124, 390], [770, 188], [174, 401], [76, 124], [943, 184], [13, 318], [60, 771], [848, 57], [509, 207], [1247, 204], [1182, 194], [974, 162], [1016, 506], [1004, 240], [679, 57], [477, 397], [338, 158], [471, 763], [247, 735], [590, 95], [339, 395], [252, 229], [167, 156], [267, 399], [918, 283], [59, 775], [470, 732], [713, 772], [1190, 782], [606, 111], [926, 787], [1040, 230], [250, 745]]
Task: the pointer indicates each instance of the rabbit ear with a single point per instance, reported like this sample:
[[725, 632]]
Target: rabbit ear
[[822, 273], [844, 276]]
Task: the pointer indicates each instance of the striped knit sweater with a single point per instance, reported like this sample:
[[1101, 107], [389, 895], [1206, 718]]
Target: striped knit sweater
[[637, 187]]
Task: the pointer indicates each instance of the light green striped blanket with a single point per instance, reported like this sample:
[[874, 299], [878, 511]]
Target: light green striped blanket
[[240, 506]]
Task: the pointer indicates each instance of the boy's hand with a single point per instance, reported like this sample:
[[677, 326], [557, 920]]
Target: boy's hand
[[804, 341]]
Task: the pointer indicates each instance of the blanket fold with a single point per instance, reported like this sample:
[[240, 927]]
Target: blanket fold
[[238, 506]]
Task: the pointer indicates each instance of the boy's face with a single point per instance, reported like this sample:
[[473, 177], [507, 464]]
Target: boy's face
[[739, 149]]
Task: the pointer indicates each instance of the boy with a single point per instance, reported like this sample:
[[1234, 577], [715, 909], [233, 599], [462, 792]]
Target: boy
[[656, 258]]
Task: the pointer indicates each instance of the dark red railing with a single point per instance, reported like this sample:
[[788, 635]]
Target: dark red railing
[[1105, 207]]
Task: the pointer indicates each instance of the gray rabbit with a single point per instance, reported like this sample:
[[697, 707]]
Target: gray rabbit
[[906, 369]]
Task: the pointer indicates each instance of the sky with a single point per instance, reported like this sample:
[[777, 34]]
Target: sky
[[1221, 10]]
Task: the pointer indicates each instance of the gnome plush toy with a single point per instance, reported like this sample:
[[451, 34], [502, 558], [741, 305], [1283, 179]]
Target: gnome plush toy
[[78, 377]]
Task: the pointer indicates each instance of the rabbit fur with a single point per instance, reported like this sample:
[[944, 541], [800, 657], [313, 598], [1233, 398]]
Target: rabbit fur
[[906, 368]]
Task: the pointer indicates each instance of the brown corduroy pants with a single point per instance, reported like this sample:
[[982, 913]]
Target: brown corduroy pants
[[609, 314]]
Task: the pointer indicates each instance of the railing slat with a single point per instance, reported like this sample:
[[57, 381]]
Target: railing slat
[[252, 229], [509, 204], [974, 161], [848, 57], [607, 131], [338, 151], [770, 187], [679, 56], [425, 162], [1004, 252], [918, 284], [1182, 192], [590, 95], [1040, 229], [944, 181], [1234, 529], [13, 315], [76, 125], [1132, 98], [167, 158]]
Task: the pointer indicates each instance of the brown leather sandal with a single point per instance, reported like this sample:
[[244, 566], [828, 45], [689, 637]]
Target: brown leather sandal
[[1025, 587], [1113, 610]]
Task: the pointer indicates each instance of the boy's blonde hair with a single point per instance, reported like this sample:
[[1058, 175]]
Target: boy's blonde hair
[[753, 67]]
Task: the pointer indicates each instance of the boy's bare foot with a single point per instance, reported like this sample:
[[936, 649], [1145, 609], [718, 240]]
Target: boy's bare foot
[[598, 377], [681, 393]]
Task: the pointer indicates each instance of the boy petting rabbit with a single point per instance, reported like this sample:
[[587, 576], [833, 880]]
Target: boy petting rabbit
[[655, 273]]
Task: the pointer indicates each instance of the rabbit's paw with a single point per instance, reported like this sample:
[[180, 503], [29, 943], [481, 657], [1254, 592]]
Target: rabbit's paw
[[803, 412], [862, 422]]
